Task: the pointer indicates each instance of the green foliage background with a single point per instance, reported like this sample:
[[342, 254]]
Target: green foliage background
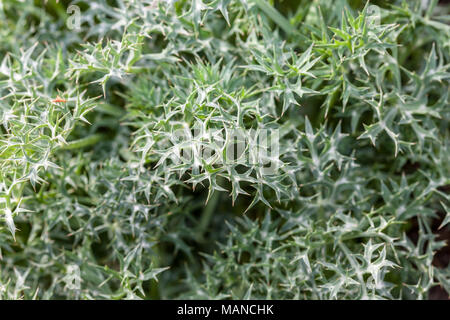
[[92, 207]]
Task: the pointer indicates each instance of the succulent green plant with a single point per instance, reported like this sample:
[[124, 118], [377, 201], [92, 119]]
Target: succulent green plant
[[119, 172]]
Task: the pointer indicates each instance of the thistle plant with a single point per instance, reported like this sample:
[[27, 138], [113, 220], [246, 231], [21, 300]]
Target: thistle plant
[[215, 149]]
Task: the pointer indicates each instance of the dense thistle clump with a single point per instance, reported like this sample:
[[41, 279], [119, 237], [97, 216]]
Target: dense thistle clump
[[96, 204]]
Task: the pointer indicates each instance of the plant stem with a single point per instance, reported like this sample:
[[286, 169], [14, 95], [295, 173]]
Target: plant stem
[[85, 142]]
